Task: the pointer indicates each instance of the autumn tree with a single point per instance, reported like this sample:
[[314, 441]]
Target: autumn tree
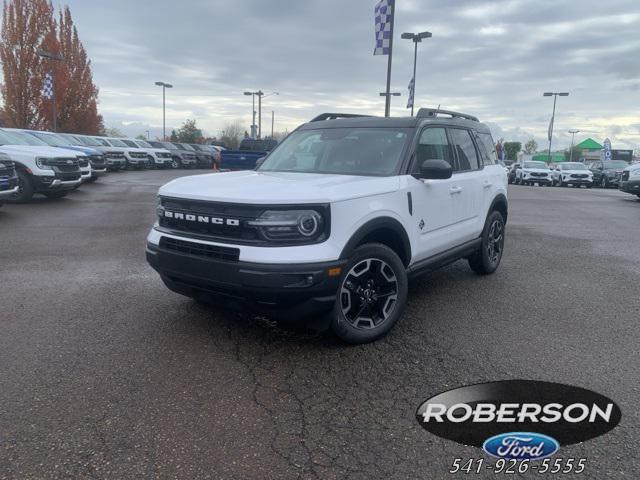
[[531, 146], [75, 93], [189, 132], [231, 134], [27, 25]]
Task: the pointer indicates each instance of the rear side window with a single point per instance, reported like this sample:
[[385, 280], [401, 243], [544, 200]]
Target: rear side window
[[487, 148], [467, 157], [433, 145]]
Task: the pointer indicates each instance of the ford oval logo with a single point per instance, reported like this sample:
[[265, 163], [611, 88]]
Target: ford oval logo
[[521, 446]]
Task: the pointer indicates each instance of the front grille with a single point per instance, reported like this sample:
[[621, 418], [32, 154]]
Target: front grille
[[83, 162], [115, 155], [225, 254], [61, 162], [579, 175], [539, 174], [242, 213], [163, 155], [190, 156], [97, 160], [138, 155], [68, 176], [625, 176]]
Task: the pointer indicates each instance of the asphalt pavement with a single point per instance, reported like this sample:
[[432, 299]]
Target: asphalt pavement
[[104, 373]]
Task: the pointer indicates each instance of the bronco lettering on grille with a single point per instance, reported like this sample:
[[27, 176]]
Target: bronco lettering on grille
[[233, 222]]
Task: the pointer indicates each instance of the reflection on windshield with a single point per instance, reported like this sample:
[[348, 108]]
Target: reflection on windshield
[[347, 151]]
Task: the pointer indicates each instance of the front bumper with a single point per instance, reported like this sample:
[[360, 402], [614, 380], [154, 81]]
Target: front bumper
[[85, 175], [116, 162], [578, 181], [545, 180], [47, 184], [9, 192], [630, 186], [292, 291]]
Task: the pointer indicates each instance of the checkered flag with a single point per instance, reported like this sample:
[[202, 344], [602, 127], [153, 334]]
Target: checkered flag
[[412, 89], [47, 88], [384, 19]]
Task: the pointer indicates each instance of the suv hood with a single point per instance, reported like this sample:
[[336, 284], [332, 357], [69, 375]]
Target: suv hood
[[537, 170], [277, 187], [589, 172], [40, 150]]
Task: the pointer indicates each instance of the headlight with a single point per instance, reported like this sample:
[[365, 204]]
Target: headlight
[[634, 173], [288, 225], [43, 163]]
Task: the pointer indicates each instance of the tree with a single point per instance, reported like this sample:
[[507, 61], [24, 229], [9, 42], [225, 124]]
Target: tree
[[531, 146], [140, 136], [76, 94], [27, 25], [511, 150], [189, 132], [174, 136], [231, 134], [577, 153]]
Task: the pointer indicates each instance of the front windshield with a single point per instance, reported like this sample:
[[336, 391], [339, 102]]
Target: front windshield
[[346, 151], [188, 147], [53, 139], [179, 146], [20, 138], [169, 145], [116, 143], [616, 164], [143, 144], [131, 143], [102, 142], [89, 142], [535, 165], [573, 166]]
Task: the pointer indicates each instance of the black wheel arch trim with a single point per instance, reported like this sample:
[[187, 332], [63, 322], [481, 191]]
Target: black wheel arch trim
[[500, 198], [371, 226]]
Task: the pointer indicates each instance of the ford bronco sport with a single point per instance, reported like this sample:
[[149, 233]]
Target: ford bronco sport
[[337, 218]]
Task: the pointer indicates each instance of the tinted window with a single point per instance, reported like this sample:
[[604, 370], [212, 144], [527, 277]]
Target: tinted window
[[467, 157], [487, 148], [433, 145]]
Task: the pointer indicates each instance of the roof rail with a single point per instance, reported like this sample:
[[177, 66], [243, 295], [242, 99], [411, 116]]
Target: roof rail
[[334, 116], [434, 112]]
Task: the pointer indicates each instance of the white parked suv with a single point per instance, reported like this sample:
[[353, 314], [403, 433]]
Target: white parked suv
[[572, 174], [337, 218], [40, 169], [533, 172], [158, 157]]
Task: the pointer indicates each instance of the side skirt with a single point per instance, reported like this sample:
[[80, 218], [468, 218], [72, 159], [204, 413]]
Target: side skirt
[[444, 258]]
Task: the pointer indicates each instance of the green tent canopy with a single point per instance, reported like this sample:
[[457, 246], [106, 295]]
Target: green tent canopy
[[556, 157], [589, 144]]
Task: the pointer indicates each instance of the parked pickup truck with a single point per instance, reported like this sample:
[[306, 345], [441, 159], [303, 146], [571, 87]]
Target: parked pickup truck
[[250, 151], [8, 178]]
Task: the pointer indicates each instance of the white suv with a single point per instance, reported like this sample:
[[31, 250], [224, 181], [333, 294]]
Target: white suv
[[337, 218], [574, 174], [533, 172]]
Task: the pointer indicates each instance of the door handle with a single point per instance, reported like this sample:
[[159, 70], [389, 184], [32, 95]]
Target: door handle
[[487, 184], [454, 190]]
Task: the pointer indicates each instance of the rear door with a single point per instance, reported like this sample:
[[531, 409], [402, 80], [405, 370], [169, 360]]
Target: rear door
[[469, 182]]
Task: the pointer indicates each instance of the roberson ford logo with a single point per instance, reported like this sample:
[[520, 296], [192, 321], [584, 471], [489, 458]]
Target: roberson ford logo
[[519, 419]]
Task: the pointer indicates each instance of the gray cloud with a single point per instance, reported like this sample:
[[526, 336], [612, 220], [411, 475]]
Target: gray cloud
[[493, 59]]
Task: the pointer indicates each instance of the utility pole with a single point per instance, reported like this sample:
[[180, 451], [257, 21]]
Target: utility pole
[[387, 103], [56, 57], [260, 93], [164, 120], [573, 134], [272, 121]]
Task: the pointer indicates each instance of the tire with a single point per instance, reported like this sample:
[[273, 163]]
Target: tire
[[487, 258], [59, 194], [176, 163], [25, 194], [588, 185], [361, 314]]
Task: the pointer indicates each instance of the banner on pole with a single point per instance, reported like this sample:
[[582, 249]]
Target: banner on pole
[[383, 22]]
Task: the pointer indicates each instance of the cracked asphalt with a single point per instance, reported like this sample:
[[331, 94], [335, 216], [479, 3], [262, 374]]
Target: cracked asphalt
[[105, 374]]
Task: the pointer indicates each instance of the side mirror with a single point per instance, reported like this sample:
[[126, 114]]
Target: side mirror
[[259, 162], [435, 170]]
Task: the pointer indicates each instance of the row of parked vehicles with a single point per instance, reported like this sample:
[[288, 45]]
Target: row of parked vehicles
[[605, 174], [53, 164]]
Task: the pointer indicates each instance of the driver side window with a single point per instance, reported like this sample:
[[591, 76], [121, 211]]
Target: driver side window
[[433, 145]]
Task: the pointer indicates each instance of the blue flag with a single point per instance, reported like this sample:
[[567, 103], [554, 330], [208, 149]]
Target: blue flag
[[384, 18]]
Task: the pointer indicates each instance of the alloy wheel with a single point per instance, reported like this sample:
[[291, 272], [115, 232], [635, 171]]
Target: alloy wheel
[[495, 241], [369, 293]]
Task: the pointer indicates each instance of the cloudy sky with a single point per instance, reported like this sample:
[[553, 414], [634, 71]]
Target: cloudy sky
[[492, 59]]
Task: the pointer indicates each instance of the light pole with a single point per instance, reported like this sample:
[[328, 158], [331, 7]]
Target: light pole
[[573, 134], [253, 113], [57, 57], [416, 38], [272, 121], [553, 115], [164, 118], [260, 94]]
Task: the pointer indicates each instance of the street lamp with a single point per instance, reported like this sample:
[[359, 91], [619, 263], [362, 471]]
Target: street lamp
[[253, 113], [573, 134], [164, 118], [416, 38], [57, 57], [553, 115], [260, 95]]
